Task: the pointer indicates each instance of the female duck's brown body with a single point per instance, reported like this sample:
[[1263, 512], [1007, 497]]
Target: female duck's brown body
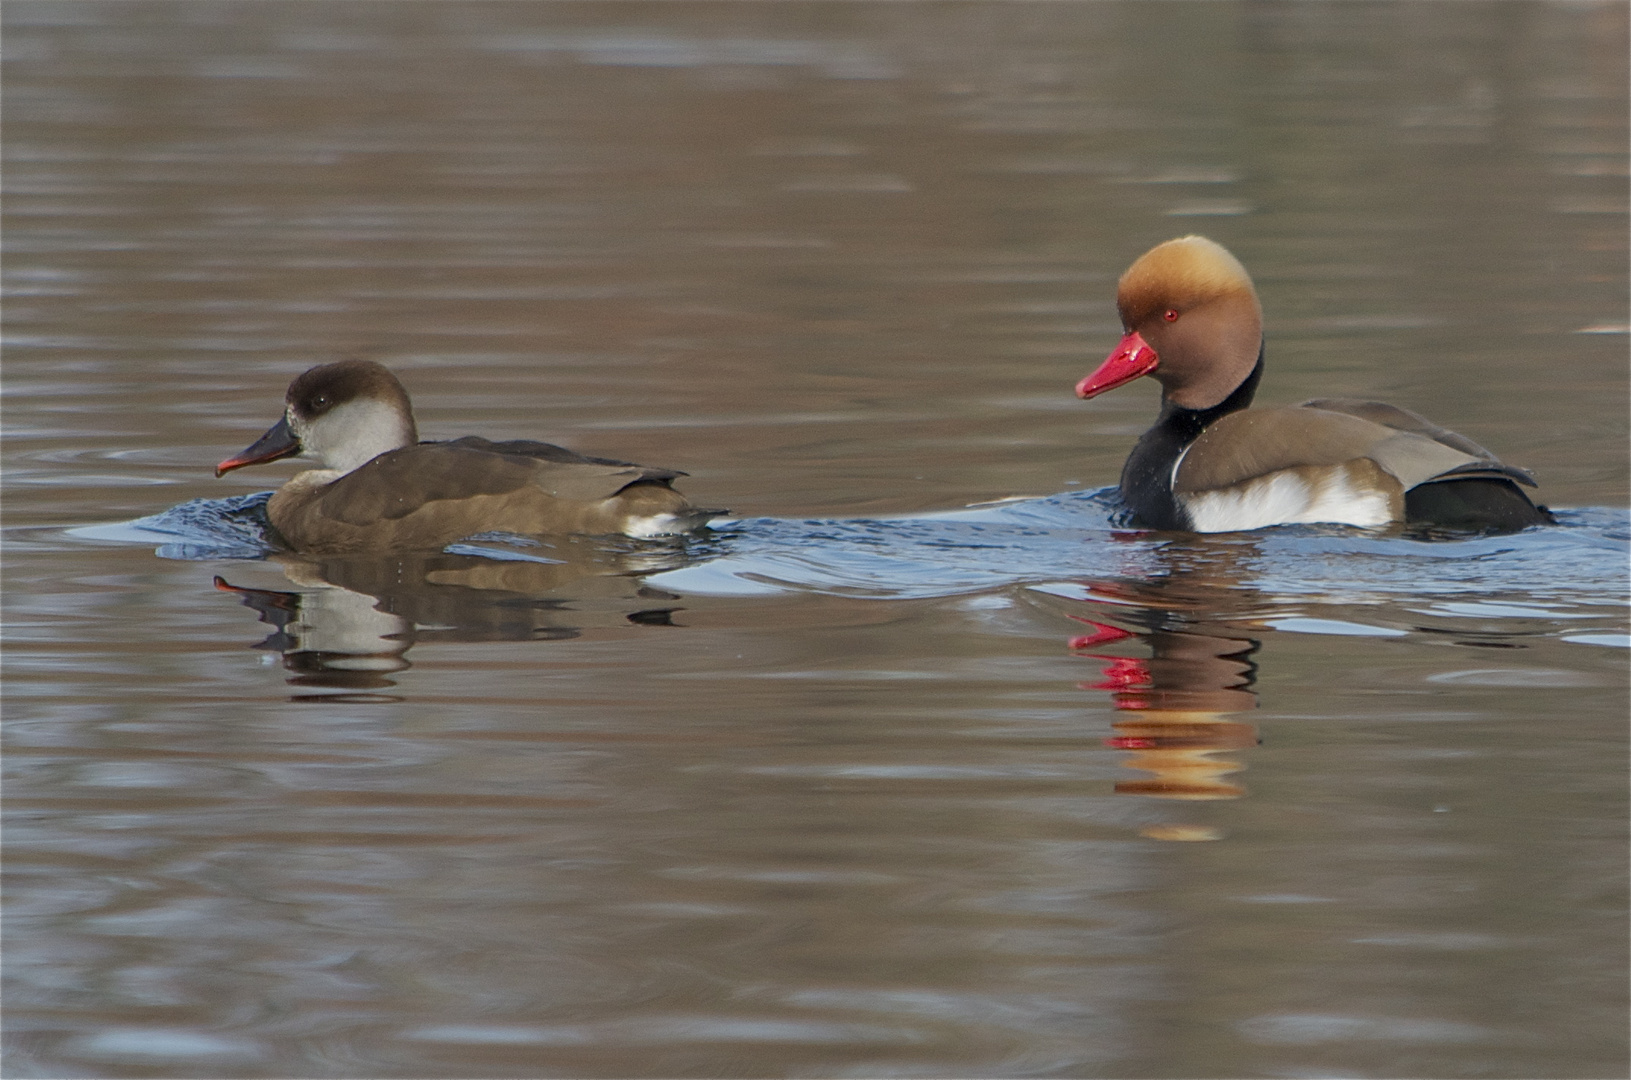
[[379, 489], [1212, 464]]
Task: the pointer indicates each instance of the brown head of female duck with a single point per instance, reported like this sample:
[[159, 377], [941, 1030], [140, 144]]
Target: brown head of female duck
[[1211, 463], [377, 488]]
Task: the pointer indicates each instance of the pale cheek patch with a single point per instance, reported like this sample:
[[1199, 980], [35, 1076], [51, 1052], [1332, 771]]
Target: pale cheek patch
[[1290, 497], [354, 434]]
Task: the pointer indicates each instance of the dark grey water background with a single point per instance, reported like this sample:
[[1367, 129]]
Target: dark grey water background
[[838, 791]]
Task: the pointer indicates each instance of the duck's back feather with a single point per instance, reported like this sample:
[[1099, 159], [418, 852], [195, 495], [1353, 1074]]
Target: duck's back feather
[[550, 452]]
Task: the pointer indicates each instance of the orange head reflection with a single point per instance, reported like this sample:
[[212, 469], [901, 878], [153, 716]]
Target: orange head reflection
[[1182, 696]]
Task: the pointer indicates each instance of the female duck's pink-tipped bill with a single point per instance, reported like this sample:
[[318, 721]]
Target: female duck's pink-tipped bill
[[277, 443], [1130, 359]]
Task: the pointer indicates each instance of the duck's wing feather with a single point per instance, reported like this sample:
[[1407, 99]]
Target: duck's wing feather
[[1392, 416], [543, 451], [1380, 412], [397, 484], [1255, 442]]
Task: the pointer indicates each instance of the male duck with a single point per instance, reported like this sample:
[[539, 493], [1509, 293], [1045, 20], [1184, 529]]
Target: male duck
[[1211, 464]]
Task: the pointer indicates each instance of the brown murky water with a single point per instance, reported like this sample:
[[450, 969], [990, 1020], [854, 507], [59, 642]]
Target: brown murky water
[[817, 796]]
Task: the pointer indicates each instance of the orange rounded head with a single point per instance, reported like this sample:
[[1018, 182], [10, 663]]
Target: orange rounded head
[[1191, 319]]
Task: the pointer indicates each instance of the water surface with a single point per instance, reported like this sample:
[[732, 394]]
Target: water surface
[[869, 781]]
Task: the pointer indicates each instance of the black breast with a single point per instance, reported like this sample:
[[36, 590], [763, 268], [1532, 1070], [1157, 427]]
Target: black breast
[[1146, 479]]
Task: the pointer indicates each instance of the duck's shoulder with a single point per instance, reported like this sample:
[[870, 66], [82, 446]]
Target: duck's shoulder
[[402, 482]]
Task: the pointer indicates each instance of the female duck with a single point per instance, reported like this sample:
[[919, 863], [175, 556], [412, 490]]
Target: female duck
[[377, 488]]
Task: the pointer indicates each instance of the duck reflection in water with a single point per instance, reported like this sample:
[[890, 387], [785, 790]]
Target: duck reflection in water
[[1181, 701], [351, 620]]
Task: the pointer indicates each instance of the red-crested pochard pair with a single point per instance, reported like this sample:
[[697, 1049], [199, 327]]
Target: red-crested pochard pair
[[377, 488], [1210, 464]]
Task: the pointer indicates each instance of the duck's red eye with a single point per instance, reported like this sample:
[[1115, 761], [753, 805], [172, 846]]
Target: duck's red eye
[[1171, 315]]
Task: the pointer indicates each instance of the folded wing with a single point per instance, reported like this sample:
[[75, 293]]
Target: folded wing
[[403, 482], [1253, 443]]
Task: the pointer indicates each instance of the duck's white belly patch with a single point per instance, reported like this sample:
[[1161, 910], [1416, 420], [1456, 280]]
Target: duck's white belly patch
[[644, 528], [1290, 497]]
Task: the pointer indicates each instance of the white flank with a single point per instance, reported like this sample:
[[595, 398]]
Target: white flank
[[644, 528], [1286, 498]]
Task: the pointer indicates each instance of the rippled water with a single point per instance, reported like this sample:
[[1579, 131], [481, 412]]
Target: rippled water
[[867, 781]]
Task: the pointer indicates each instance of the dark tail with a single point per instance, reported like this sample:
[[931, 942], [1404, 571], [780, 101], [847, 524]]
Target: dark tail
[[1476, 503]]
